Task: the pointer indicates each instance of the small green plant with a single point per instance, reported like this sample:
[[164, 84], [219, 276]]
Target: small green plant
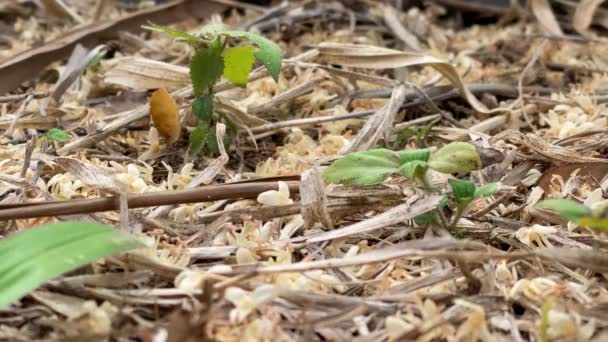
[[213, 58], [30, 258], [374, 166], [582, 215]]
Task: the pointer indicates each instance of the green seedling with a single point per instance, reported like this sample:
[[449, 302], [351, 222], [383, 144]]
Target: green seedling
[[374, 166], [582, 215], [214, 58]]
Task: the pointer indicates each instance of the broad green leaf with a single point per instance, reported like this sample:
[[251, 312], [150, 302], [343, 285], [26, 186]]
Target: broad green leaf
[[32, 257], [425, 218], [202, 107], [174, 33], [206, 69], [198, 138], [238, 62], [413, 169], [57, 134], [567, 208], [455, 157], [268, 53], [463, 190], [487, 190], [410, 155], [599, 223], [363, 168]]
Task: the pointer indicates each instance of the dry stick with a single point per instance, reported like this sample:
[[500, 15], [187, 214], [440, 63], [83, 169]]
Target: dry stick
[[203, 194], [11, 128], [520, 82]]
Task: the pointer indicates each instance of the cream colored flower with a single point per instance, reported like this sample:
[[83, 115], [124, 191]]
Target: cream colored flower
[[262, 329], [246, 302], [275, 198], [132, 179], [535, 236]]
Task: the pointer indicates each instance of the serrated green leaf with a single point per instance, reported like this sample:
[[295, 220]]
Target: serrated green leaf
[[198, 138], [413, 169], [268, 53], [410, 155], [455, 157], [566, 208], [206, 69], [363, 168], [174, 33], [463, 191], [238, 62], [34, 256], [57, 134], [202, 107], [487, 190]]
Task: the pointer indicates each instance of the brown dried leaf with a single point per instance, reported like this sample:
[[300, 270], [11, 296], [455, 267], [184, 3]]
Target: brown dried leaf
[[373, 57], [314, 200], [89, 174], [544, 14], [164, 114], [597, 171], [584, 15], [143, 73]]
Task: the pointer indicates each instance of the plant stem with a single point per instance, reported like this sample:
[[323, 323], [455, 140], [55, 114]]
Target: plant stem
[[459, 211]]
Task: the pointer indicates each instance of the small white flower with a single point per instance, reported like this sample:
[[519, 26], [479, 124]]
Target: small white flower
[[535, 236], [245, 302], [275, 198]]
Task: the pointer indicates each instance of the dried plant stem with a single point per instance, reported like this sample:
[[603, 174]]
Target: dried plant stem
[[85, 206]]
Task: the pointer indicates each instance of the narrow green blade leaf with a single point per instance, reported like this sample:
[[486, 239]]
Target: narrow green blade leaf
[[57, 134], [362, 168], [198, 138], [206, 69], [410, 155], [238, 62], [455, 157], [487, 190], [463, 190], [202, 107], [413, 168], [567, 208], [32, 257], [174, 33]]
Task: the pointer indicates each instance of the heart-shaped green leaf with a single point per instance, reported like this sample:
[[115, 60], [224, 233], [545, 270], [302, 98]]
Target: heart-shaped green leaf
[[363, 168], [487, 190], [238, 62], [57, 134], [455, 157], [32, 257]]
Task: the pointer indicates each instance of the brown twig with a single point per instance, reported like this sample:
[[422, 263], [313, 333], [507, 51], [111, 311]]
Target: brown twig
[[152, 199]]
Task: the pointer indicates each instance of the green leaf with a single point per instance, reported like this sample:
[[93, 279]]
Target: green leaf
[[268, 53], [198, 138], [413, 169], [174, 33], [32, 257], [238, 62], [455, 157], [202, 107], [206, 69], [363, 168], [567, 208], [212, 145], [599, 223], [463, 190], [487, 190], [425, 218], [57, 134], [410, 155]]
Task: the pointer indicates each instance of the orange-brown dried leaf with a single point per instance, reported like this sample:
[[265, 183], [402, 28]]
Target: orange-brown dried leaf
[[164, 114]]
